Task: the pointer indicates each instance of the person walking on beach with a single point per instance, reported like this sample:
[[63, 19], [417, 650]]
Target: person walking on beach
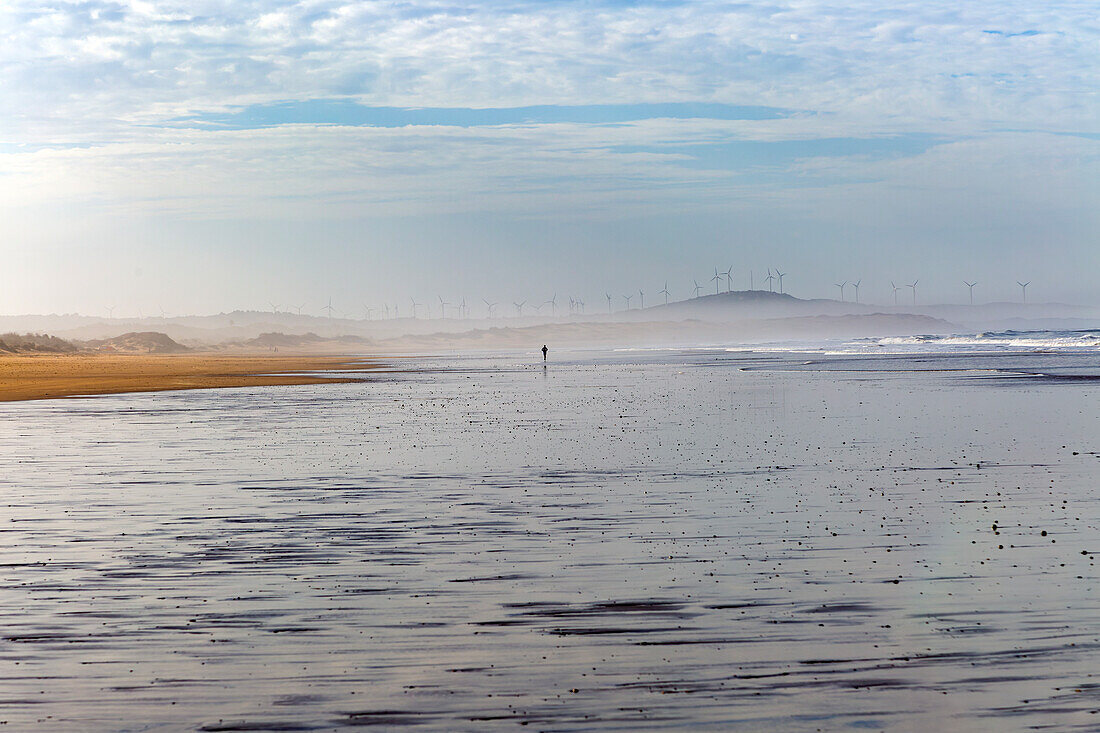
[[544, 350]]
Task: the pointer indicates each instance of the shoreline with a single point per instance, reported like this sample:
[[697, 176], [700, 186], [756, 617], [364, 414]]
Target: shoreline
[[52, 376]]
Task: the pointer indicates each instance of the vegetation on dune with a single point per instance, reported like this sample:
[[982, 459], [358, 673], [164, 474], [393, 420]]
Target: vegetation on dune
[[14, 343], [128, 343]]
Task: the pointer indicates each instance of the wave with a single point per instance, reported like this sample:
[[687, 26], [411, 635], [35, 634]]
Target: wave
[[1085, 340]]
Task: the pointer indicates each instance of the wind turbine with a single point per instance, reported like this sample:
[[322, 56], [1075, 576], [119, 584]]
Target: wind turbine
[[717, 280], [841, 286], [489, 307], [779, 275], [641, 299], [519, 306], [665, 292], [769, 280], [442, 307], [329, 308], [385, 311], [698, 287], [914, 286], [415, 305], [1023, 287], [729, 279], [856, 286], [608, 303], [300, 307], [274, 308], [553, 305], [896, 289], [971, 286], [367, 311], [627, 299], [751, 286], [110, 311]]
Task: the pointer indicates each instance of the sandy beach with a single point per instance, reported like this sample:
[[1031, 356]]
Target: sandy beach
[[48, 376]]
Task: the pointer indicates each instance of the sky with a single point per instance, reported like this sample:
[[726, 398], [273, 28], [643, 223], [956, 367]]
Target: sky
[[205, 156]]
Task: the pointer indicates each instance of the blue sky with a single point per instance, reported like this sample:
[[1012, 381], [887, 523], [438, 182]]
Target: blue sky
[[347, 112], [205, 156]]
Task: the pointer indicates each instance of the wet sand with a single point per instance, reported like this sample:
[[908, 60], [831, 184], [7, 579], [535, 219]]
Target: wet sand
[[733, 542], [47, 376]]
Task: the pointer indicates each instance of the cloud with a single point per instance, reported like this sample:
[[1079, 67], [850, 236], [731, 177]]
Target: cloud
[[930, 114], [82, 63]]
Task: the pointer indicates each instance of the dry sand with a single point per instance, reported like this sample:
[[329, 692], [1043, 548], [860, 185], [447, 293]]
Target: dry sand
[[46, 376]]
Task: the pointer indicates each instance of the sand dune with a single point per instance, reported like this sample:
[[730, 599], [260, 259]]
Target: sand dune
[[144, 342]]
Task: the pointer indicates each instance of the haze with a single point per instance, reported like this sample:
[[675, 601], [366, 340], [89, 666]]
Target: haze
[[205, 157]]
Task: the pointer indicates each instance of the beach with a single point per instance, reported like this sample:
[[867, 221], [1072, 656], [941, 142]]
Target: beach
[[707, 539], [47, 376]]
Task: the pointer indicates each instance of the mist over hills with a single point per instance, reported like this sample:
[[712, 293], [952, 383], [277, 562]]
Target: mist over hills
[[734, 317], [766, 304], [686, 333]]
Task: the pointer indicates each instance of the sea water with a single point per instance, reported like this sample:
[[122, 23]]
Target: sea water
[[724, 540]]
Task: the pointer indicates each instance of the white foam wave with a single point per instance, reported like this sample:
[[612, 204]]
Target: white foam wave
[[1061, 341]]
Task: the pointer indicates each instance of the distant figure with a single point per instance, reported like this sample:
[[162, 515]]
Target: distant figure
[[544, 350]]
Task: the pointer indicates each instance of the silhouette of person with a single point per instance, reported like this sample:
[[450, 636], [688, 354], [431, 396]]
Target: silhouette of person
[[544, 350]]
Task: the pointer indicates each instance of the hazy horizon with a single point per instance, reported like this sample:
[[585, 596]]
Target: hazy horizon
[[212, 157], [478, 310]]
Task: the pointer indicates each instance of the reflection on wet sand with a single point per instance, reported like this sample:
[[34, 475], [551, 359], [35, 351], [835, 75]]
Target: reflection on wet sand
[[617, 543]]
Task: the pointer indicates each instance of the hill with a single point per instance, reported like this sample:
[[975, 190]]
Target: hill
[[740, 304]]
